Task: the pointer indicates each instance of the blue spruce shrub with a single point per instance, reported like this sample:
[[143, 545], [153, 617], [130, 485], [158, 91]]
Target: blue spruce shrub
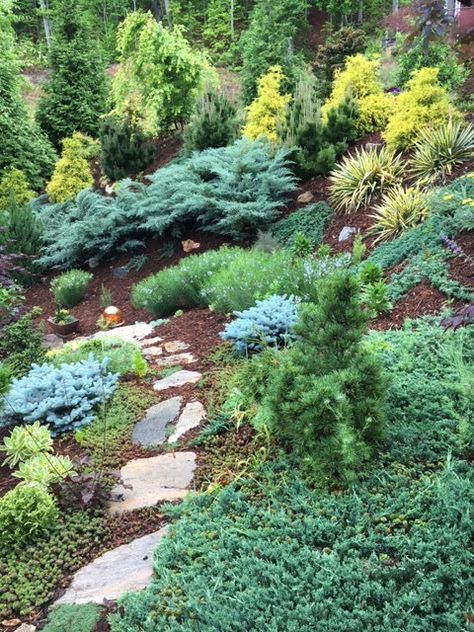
[[268, 323], [63, 397]]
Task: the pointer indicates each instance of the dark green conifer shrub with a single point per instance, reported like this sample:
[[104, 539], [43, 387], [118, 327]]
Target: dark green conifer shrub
[[76, 91], [325, 399], [125, 149], [213, 122]]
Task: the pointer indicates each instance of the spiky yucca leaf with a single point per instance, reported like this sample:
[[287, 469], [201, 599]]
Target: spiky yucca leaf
[[439, 150], [360, 177], [399, 210]]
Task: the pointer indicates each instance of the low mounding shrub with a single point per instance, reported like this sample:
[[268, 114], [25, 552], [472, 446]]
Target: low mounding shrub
[[326, 396], [123, 357], [267, 324], [81, 618], [26, 511], [21, 344], [424, 103], [399, 210], [358, 178], [440, 148], [64, 397], [310, 220], [231, 191], [69, 288]]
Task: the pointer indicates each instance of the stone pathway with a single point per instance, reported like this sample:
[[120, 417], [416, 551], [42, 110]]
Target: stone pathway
[[148, 481], [165, 477], [127, 568]]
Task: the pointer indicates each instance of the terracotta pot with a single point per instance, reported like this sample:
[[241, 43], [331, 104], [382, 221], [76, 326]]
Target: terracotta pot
[[64, 329]]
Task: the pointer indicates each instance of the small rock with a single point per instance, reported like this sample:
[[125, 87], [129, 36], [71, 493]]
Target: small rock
[[165, 477], [151, 430], [177, 359], [177, 379], [176, 345], [51, 341], [192, 415], [128, 568], [152, 351], [120, 273], [150, 342], [345, 233], [93, 262], [26, 627], [189, 245], [305, 198]]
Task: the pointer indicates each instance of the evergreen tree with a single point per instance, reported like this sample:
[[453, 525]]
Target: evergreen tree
[[213, 122], [14, 185], [75, 94], [340, 124], [268, 42], [72, 172], [125, 150], [325, 398], [22, 144]]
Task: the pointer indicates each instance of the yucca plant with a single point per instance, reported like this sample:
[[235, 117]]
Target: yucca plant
[[439, 150], [360, 177], [399, 210]]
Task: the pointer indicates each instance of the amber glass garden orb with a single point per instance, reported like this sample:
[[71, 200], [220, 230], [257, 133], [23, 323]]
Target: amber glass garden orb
[[112, 316]]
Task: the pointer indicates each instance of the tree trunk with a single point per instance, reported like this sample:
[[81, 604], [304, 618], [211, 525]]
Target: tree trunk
[[360, 16], [394, 6], [46, 23], [232, 18]]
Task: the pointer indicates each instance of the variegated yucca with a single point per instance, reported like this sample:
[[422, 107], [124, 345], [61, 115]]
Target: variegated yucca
[[362, 176], [438, 150], [399, 210]]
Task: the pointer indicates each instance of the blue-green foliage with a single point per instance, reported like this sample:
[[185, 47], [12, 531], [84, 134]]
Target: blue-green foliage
[[310, 220], [421, 248], [267, 324], [230, 191], [63, 397], [391, 552]]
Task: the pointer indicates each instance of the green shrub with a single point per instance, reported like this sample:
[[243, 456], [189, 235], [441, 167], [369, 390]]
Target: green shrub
[[25, 442], [440, 149], [125, 150], [124, 357], [213, 122], [26, 512], [399, 210], [310, 220], [44, 469], [359, 178], [71, 173], [326, 397], [69, 288], [14, 184], [23, 234], [80, 618], [21, 344], [375, 298]]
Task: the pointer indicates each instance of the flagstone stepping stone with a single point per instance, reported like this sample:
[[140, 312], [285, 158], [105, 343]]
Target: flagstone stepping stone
[[51, 341], [151, 430], [177, 379], [176, 359], [26, 627], [165, 477], [128, 568], [152, 352], [192, 415], [149, 342], [176, 345], [127, 333]]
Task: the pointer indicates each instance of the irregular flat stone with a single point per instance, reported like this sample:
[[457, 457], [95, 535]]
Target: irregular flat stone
[[177, 379], [192, 415], [150, 342], [159, 478], [176, 345], [176, 359], [152, 352], [305, 197], [151, 429], [51, 341], [127, 333], [26, 627], [345, 233], [128, 568]]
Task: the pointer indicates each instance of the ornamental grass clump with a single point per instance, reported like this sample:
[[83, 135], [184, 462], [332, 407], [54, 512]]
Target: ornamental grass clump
[[399, 210], [364, 175]]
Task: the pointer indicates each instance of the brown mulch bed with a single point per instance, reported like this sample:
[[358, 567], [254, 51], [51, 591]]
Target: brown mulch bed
[[461, 268], [89, 310]]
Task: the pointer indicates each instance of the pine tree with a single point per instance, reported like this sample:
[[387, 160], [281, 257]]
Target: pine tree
[[213, 122], [340, 124], [75, 94], [325, 399], [72, 172], [22, 144], [125, 150], [267, 112]]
